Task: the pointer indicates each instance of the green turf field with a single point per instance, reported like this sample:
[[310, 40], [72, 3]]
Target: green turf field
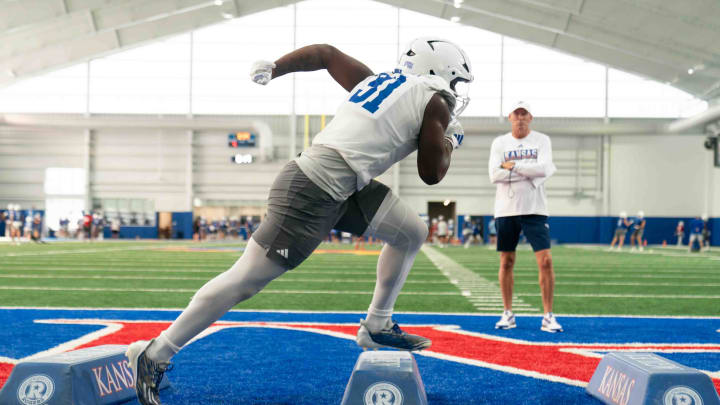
[[166, 274]]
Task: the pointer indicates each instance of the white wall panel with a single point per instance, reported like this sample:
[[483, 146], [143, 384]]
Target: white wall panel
[[141, 163], [664, 175], [24, 156]]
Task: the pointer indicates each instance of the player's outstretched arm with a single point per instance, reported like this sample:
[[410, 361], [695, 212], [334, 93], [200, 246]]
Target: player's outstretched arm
[[434, 148], [346, 70]]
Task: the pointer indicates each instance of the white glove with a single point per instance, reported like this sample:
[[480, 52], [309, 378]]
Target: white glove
[[454, 133], [261, 72]]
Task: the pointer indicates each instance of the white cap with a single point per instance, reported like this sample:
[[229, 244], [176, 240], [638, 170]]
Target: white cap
[[521, 104], [641, 214]]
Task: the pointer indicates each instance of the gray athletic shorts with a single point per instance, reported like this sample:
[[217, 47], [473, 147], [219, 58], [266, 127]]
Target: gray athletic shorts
[[638, 233], [620, 232], [301, 215]]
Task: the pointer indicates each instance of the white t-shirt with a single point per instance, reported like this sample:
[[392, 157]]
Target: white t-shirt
[[521, 191], [379, 123], [442, 228]]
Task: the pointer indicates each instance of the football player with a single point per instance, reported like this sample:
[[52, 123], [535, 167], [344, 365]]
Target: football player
[[386, 117], [620, 231], [637, 234]]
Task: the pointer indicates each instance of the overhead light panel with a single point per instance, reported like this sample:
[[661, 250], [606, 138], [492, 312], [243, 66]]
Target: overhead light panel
[[457, 3], [691, 71], [227, 16], [218, 2], [454, 19]]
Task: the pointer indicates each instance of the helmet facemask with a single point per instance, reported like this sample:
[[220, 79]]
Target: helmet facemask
[[433, 56]]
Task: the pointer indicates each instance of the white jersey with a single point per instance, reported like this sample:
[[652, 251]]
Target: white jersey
[[521, 191], [442, 228], [379, 123]]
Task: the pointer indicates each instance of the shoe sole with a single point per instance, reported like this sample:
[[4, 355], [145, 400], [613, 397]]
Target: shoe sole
[[545, 329], [505, 327], [364, 340], [133, 352]]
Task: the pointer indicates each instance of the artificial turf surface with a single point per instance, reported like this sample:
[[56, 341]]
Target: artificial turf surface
[[166, 274]]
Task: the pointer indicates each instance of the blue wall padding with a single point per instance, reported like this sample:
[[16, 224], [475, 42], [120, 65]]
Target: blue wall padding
[[182, 225], [142, 232], [600, 230]]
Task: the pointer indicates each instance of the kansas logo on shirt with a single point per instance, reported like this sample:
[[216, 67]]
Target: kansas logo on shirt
[[520, 154]]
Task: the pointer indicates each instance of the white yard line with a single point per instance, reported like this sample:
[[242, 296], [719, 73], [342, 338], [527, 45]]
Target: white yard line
[[656, 251], [482, 294], [193, 290], [152, 270], [75, 251], [669, 296], [301, 311], [627, 283], [279, 280]]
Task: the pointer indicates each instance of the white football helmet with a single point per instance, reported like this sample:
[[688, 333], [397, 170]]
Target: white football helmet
[[436, 56], [623, 214], [641, 214]]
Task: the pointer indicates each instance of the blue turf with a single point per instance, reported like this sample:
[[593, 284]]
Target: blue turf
[[271, 366]]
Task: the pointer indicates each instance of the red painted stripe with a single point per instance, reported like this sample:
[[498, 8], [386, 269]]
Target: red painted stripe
[[5, 370], [130, 332], [547, 360]]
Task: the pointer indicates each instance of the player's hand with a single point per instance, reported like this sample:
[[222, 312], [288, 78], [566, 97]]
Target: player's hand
[[507, 165], [261, 72], [454, 133]]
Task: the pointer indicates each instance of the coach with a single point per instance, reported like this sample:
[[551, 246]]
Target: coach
[[520, 163]]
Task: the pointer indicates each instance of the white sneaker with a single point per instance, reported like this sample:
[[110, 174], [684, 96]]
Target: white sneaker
[[507, 320], [550, 324], [641, 249]]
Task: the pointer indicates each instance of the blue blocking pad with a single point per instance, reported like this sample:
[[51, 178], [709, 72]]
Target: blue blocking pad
[[93, 376], [647, 379], [385, 377]]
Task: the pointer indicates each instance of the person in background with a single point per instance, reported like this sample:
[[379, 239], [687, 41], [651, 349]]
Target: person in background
[[467, 232], [638, 230], [680, 232], [3, 220], [492, 231], [87, 226], [451, 231], [432, 232], [15, 223], [519, 165], [115, 227], [442, 231], [478, 231], [36, 232], [359, 242], [620, 231], [28, 223], [706, 233], [696, 227]]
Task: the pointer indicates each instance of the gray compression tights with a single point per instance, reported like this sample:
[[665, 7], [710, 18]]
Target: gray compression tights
[[403, 232], [395, 223], [250, 274]]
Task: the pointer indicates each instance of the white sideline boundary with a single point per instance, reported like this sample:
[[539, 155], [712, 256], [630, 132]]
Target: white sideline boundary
[[297, 311], [482, 294]]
